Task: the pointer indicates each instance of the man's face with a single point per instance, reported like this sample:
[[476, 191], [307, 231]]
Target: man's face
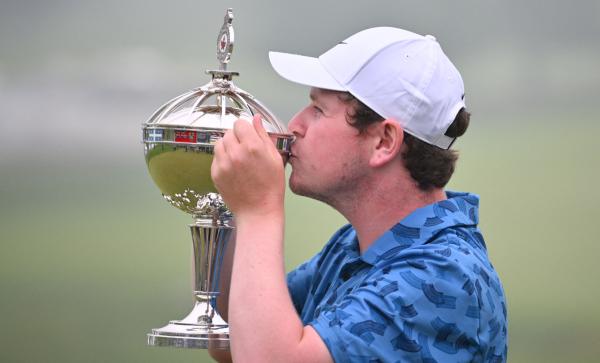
[[329, 157]]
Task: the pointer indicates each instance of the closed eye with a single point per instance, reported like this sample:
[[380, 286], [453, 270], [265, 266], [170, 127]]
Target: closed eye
[[317, 110]]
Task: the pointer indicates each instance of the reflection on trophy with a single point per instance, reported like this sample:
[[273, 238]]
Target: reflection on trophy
[[178, 144]]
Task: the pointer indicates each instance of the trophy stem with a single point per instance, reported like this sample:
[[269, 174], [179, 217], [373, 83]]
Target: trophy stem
[[203, 327], [210, 239]]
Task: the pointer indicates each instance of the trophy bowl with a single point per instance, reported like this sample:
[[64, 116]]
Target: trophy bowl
[[179, 138], [179, 142]]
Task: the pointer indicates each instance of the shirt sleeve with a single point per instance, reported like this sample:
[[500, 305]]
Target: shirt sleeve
[[422, 307], [299, 281]]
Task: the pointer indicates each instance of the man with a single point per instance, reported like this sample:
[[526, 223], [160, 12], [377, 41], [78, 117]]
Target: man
[[409, 278]]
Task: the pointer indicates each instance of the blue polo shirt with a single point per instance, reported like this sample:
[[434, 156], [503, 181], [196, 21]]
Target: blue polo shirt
[[425, 291]]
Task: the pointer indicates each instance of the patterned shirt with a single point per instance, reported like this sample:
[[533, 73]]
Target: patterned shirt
[[425, 291]]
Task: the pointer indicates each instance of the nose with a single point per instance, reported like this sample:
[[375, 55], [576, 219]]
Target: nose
[[297, 125]]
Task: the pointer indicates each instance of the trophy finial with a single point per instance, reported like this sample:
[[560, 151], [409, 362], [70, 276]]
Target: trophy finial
[[225, 40]]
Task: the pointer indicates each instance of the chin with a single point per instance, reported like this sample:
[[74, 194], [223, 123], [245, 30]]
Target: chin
[[306, 191], [297, 187]]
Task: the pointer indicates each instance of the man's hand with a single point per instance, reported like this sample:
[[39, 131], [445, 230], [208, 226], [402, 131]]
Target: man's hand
[[248, 170], [264, 326]]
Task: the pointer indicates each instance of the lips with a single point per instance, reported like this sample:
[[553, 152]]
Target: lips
[[292, 157], [292, 153]]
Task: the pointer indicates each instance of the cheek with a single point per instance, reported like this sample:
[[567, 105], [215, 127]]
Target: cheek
[[327, 161], [328, 143]]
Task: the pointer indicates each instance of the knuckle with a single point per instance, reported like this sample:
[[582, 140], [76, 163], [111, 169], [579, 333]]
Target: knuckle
[[236, 158], [239, 125]]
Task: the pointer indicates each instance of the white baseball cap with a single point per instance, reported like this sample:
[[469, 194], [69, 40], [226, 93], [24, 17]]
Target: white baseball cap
[[398, 74]]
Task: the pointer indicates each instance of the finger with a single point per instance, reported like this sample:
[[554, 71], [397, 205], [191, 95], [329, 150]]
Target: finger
[[264, 136], [251, 142], [259, 127], [219, 155], [219, 145], [230, 141], [243, 131]]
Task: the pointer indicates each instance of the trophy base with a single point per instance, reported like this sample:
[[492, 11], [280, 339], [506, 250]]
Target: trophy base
[[179, 335], [197, 330]]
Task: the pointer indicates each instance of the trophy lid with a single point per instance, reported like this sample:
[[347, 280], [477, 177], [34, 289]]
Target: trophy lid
[[179, 137], [217, 104]]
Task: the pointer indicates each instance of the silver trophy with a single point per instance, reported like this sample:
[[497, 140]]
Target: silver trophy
[[178, 144]]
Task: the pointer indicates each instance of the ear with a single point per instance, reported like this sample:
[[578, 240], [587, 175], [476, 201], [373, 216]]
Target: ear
[[387, 142]]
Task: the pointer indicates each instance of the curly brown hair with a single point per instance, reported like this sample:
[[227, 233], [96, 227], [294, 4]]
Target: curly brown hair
[[430, 166]]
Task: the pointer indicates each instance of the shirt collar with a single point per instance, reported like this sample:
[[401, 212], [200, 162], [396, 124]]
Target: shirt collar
[[460, 209]]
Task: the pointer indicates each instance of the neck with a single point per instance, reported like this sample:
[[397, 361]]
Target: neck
[[382, 206]]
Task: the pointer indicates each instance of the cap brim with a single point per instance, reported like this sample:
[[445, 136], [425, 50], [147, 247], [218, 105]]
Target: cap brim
[[303, 70]]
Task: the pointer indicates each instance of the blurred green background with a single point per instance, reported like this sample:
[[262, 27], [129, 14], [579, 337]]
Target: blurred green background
[[92, 258]]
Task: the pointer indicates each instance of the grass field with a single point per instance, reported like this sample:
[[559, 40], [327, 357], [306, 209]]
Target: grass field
[[92, 258]]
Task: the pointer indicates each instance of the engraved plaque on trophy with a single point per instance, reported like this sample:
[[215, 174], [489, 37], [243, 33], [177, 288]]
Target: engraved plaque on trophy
[[178, 145]]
